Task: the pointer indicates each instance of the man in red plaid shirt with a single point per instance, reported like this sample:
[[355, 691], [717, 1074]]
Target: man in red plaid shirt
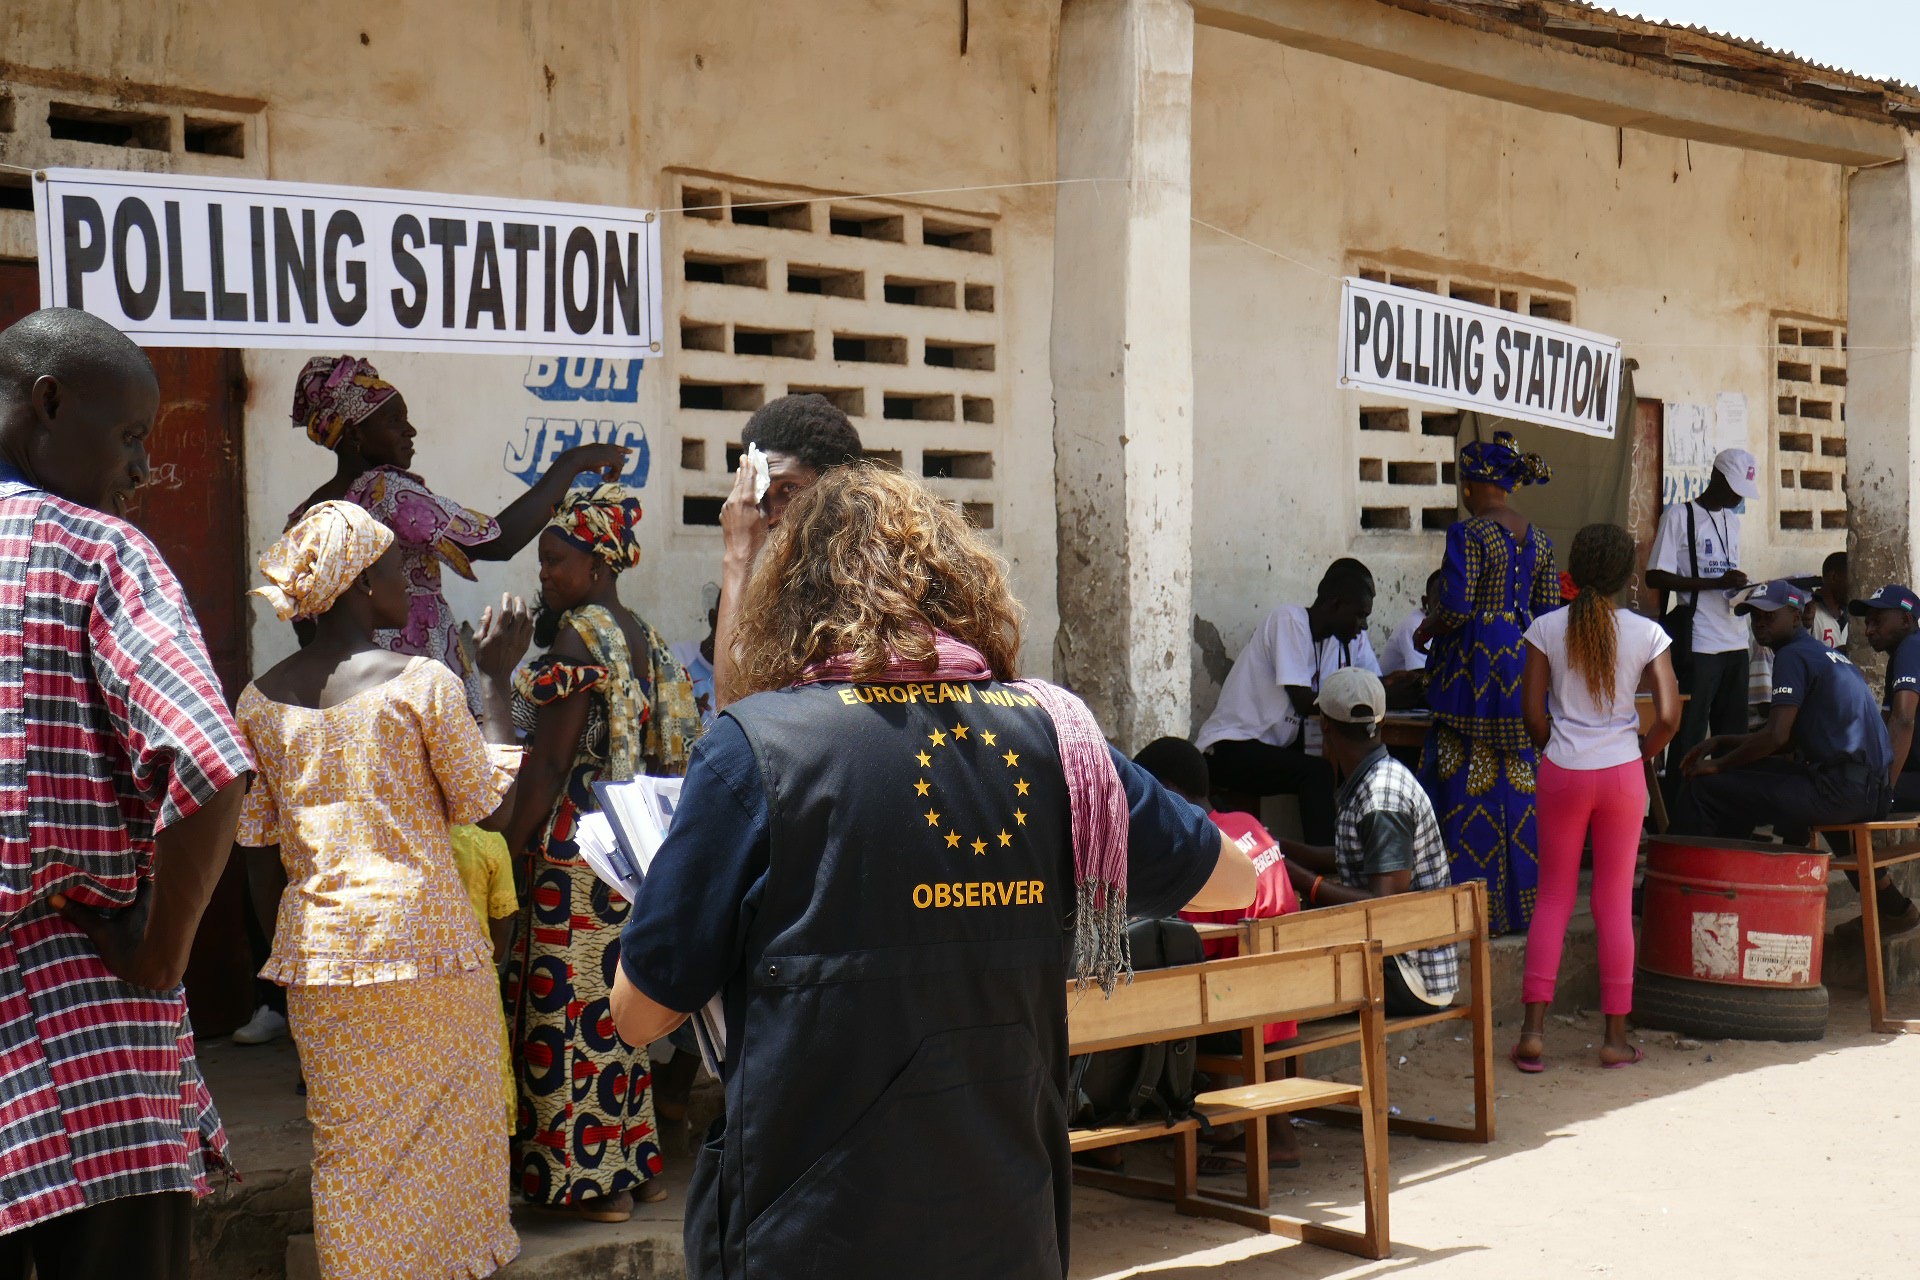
[[121, 776]]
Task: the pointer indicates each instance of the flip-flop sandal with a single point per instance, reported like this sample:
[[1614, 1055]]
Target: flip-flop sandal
[[588, 1210], [1217, 1165], [1532, 1066], [1639, 1055]]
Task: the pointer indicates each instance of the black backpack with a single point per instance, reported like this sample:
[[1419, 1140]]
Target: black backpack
[[1119, 1086]]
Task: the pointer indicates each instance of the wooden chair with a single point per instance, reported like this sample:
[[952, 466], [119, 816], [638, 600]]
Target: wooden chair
[[1401, 923], [1868, 862], [1243, 994]]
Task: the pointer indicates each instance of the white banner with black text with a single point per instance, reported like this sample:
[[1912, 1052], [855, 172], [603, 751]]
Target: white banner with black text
[[178, 260], [1418, 346]]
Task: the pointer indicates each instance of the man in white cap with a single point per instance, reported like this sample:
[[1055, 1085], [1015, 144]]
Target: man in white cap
[[1696, 555], [1385, 841]]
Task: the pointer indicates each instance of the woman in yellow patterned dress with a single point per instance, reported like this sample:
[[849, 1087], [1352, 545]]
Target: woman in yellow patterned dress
[[607, 701], [365, 757]]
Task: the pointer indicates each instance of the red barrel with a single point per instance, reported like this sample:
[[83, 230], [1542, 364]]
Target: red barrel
[[1733, 912]]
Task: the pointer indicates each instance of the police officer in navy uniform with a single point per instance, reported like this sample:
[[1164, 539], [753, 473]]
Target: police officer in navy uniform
[[876, 869], [1893, 627], [1822, 709]]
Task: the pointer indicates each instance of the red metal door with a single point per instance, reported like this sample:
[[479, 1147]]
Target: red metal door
[[194, 510]]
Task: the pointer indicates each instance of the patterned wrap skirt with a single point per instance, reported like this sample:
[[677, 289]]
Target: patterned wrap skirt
[[409, 1153], [1484, 798], [585, 1125]]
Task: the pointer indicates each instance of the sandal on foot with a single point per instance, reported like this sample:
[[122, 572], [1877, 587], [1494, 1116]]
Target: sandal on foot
[[1639, 1055], [650, 1192], [1906, 921], [1218, 1164], [617, 1207], [1532, 1066]]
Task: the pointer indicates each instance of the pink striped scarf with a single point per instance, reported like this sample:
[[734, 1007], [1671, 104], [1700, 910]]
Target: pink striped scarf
[[1096, 802]]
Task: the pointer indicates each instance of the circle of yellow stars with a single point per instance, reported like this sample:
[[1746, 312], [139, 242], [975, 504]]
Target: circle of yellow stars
[[923, 789]]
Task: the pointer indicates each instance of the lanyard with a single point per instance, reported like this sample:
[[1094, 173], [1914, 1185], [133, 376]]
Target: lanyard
[[1719, 527], [1346, 660]]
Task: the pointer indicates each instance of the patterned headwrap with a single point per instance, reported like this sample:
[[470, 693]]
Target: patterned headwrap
[[319, 557], [334, 392], [1498, 462], [604, 520]]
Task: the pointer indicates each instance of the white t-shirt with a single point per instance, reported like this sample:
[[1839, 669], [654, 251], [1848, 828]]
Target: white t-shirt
[[1400, 654], [1585, 734], [1829, 628], [1254, 706], [1716, 628], [1333, 656]]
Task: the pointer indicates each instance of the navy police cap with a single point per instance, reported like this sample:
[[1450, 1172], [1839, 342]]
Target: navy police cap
[[1891, 596], [1781, 593]]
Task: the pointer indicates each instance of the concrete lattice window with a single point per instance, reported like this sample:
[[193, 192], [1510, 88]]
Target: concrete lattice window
[[1404, 479], [885, 308], [1810, 425], [114, 124]]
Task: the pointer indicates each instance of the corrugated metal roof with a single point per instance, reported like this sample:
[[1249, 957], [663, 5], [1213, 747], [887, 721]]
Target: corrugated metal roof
[[1744, 64]]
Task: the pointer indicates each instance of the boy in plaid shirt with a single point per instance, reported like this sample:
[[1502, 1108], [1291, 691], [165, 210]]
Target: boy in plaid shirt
[[1385, 840]]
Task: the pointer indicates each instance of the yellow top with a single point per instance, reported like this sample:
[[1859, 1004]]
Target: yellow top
[[359, 797], [486, 870]]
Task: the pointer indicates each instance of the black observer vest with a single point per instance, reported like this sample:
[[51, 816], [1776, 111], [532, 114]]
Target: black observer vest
[[896, 1089]]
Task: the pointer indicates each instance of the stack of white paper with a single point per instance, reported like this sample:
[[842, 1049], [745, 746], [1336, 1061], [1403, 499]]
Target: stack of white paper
[[619, 844], [594, 838]]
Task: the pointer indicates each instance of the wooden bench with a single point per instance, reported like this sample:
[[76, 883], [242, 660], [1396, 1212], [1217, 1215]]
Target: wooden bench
[[1401, 923], [1867, 863], [1243, 994]]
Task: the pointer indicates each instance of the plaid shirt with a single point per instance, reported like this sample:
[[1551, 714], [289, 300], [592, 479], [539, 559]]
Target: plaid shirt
[[1385, 821], [112, 727]]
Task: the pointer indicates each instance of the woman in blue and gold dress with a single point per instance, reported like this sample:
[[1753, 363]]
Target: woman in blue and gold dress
[[1478, 765]]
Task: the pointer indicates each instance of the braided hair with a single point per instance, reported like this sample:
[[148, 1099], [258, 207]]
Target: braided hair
[[1600, 564]]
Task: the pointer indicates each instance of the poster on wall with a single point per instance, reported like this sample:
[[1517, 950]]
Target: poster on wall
[[1419, 346], [1691, 435], [183, 260]]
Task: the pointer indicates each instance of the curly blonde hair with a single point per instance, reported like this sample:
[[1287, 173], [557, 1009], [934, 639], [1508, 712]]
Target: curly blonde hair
[[867, 562]]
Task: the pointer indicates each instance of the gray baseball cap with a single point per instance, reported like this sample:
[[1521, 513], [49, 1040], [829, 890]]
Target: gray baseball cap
[[1353, 696]]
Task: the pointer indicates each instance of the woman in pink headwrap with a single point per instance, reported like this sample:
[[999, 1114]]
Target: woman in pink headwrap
[[344, 405]]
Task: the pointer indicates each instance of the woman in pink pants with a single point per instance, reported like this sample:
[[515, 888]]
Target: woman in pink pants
[[1583, 664]]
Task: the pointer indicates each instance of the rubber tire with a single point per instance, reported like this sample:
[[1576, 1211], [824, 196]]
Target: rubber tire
[[1719, 1011]]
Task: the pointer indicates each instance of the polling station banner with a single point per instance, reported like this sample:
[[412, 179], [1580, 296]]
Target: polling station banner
[[179, 260], [1419, 346]]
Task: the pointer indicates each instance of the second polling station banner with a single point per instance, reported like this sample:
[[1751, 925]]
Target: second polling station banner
[[1419, 346], [189, 261]]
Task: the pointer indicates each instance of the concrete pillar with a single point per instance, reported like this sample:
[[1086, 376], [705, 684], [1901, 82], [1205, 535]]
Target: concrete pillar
[[1123, 363], [1883, 374]]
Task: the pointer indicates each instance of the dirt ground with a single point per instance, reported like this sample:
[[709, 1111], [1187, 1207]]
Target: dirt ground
[[1717, 1159]]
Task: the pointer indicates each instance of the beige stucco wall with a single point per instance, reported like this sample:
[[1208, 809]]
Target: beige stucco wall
[[596, 102], [1683, 253]]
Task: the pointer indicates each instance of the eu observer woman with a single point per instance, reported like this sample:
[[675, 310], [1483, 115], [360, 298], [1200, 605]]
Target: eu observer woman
[[877, 858]]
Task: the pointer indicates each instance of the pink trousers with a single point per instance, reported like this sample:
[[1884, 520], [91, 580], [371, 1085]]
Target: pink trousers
[[1612, 805]]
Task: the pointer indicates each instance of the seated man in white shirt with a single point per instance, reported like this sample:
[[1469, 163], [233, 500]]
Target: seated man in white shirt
[[1255, 739], [1400, 654]]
